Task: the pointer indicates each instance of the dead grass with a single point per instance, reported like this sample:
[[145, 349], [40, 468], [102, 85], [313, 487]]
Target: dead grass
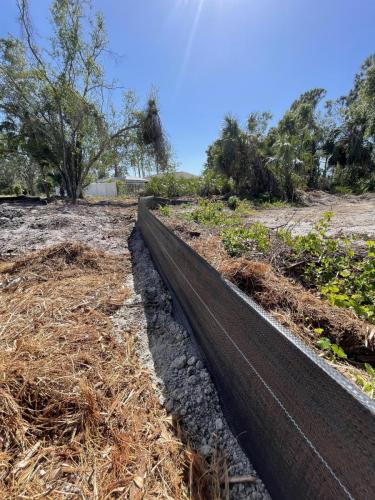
[[292, 305], [78, 413]]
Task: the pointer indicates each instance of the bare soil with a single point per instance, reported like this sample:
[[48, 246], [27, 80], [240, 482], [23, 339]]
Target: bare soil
[[352, 214], [24, 228]]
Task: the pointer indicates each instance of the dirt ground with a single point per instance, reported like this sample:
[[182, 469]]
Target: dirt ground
[[24, 228], [352, 214]]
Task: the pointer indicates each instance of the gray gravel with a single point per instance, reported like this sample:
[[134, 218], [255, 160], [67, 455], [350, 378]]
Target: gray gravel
[[184, 385]]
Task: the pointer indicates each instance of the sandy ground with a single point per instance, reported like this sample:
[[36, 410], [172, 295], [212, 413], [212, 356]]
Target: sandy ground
[[24, 228], [352, 214]]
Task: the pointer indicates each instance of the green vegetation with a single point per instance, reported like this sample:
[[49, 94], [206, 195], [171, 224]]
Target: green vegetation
[[239, 239], [233, 202], [58, 123], [343, 276], [367, 384], [165, 210], [305, 149], [332, 350], [168, 185], [330, 265], [212, 213]]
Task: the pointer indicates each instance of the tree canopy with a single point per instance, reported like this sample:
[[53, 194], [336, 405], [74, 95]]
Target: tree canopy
[[55, 102], [330, 146]]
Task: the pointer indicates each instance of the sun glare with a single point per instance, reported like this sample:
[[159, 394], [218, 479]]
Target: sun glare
[[190, 41]]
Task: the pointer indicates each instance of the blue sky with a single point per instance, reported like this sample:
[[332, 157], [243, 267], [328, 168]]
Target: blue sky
[[211, 57]]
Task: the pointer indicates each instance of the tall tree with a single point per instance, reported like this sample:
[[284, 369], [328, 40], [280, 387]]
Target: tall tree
[[57, 97]]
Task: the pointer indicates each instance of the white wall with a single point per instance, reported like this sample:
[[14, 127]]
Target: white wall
[[101, 189]]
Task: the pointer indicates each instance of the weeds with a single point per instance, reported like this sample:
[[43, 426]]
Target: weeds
[[331, 265], [165, 210], [233, 202], [212, 213], [239, 239], [367, 383]]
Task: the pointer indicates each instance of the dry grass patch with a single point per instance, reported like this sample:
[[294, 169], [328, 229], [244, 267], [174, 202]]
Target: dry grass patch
[[78, 413]]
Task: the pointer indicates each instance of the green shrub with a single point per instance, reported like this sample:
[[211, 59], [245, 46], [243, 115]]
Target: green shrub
[[212, 213], [233, 202], [342, 189], [333, 268], [17, 189], [367, 383], [121, 188], [165, 210], [238, 240], [170, 186], [212, 183]]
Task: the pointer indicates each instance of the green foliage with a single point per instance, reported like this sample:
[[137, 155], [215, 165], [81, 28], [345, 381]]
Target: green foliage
[[56, 103], [333, 268], [121, 188], [169, 185], [165, 210], [331, 264], [17, 189], [239, 239], [208, 213], [233, 202], [212, 213], [333, 350], [212, 183], [245, 208], [367, 383], [305, 149]]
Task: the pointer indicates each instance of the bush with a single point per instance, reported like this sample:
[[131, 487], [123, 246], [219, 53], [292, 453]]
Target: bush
[[17, 189], [240, 239], [211, 213], [233, 202], [170, 186], [212, 183], [333, 268], [165, 210], [121, 188]]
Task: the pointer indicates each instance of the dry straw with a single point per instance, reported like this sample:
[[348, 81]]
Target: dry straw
[[78, 414]]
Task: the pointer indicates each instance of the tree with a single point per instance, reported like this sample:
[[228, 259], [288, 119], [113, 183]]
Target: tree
[[57, 98]]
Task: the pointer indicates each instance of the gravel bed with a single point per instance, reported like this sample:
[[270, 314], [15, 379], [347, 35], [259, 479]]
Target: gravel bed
[[184, 385]]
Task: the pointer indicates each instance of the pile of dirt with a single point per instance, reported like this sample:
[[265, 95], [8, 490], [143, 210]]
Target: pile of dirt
[[78, 413]]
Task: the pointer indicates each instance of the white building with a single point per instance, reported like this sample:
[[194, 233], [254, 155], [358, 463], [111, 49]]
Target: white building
[[116, 186]]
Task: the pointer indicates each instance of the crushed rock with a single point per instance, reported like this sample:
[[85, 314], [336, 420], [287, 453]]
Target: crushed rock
[[184, 385]]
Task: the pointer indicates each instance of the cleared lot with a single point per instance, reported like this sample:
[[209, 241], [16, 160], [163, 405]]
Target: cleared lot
[[352, 214], [79, 415]]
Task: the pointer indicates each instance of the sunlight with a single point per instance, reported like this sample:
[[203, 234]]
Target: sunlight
[[189, 44]]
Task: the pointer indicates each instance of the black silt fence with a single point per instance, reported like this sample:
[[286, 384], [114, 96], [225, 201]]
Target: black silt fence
[[307, 430]]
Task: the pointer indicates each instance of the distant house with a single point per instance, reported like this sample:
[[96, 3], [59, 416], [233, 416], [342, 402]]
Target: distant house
[[115, 186]]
